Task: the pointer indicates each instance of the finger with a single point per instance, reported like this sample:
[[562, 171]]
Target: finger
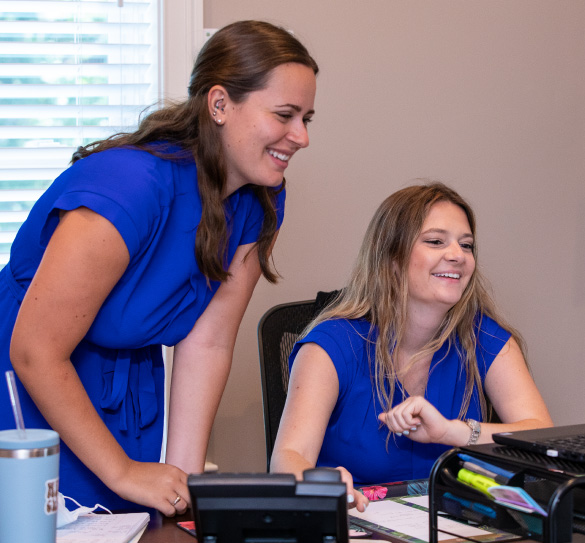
[[409, 414], [350, 500], [399, 425], [384, 419], [179, 504], [183, 491], [411, 421], [412, 415], [348, 480], [361, 502], [388, 420], [176, 504], [184, 503], [166, 508], [394, 421], [182, 506]]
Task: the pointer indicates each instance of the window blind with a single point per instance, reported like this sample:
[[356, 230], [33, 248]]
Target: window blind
[[71, 72]]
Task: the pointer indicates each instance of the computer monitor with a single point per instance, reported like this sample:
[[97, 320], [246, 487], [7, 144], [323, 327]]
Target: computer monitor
[[270, 508]]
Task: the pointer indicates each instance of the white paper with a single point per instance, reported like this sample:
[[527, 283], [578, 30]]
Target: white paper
[[411, 521], [103, 528]]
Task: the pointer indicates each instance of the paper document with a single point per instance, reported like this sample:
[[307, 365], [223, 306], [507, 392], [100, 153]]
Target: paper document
[[120, 528], [408, 519]]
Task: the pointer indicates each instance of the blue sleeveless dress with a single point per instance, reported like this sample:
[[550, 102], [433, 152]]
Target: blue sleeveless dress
[[354, 437], [155, 205]]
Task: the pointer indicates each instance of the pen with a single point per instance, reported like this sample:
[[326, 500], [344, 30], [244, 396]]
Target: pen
[[477, 507], [479, 482], [490, 467]]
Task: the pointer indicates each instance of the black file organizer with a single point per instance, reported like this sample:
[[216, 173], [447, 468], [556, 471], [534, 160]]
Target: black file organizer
[[557, 485]]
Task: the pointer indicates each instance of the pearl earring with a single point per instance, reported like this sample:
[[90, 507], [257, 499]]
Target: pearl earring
[[217, 106]]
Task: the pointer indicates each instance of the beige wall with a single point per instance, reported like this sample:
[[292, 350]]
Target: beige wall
[[486, 96]]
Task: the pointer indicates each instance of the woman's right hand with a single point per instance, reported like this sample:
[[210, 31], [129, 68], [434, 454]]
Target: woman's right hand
[[354, 497], [154, 485]]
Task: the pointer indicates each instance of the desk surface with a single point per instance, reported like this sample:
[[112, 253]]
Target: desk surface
[[165, 530]]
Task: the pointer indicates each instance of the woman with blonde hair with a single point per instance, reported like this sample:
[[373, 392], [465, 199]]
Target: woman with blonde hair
[[398, 367]]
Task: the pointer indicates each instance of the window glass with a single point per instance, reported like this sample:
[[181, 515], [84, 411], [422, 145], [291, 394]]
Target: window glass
[[71, 72]]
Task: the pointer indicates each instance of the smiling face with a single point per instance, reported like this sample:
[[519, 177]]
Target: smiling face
[[441, 261], [261, 134]]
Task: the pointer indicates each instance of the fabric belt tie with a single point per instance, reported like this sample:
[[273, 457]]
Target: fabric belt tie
[[129, 388], [128, 381]]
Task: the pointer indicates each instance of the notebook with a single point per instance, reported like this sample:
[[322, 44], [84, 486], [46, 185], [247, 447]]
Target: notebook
[[565, 442]]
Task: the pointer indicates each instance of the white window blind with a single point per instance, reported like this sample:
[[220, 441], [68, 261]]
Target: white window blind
[[71, 72]]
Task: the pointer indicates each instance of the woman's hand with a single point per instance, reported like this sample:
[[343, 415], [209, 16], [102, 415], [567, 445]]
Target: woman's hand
[[154, 485], [354, 497], [418, 419]]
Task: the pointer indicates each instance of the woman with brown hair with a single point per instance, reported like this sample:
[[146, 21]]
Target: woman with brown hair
[[152, 238], [398, 367]]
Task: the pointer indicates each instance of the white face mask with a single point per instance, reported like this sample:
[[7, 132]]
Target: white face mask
[[64, 516]]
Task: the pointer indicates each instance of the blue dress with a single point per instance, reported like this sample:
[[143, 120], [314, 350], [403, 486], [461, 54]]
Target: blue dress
[[155, 205], [354, 437]]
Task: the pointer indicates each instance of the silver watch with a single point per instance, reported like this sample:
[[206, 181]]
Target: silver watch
[[475, 431]]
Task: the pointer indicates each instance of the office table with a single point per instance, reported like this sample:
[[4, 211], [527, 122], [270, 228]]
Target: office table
[[164, 530]]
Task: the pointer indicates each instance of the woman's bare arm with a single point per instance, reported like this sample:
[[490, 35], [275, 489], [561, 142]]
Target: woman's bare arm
[[312, 393], [202, 363], [84, 260], [511, 390]]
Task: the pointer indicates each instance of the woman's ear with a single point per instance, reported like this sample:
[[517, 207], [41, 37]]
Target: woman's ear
[[216, 102]]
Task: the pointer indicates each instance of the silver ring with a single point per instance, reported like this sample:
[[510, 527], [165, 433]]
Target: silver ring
[[177, 500]]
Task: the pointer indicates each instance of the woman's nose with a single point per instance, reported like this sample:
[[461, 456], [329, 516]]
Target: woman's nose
[[299, 135], [454, 252]]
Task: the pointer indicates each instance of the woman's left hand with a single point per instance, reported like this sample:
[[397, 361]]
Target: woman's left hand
[[416, 418]]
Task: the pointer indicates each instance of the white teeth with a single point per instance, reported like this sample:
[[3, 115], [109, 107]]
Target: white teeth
[[451, 275], [280, 156]]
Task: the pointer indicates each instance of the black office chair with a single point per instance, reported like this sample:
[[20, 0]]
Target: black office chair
[[278, 330]]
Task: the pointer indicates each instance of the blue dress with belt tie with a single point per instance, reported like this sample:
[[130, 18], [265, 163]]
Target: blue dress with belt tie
[[155, 205]]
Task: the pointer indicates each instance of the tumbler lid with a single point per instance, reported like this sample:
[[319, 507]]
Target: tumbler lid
[[35, 438]]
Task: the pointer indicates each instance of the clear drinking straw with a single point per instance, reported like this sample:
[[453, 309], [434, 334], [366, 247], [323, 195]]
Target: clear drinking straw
[[15, 404]]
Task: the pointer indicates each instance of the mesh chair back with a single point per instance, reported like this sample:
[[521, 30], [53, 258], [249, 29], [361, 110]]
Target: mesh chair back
[[278, 330]]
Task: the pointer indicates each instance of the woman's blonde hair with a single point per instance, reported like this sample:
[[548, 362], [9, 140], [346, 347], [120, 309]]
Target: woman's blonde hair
[[378, 291]]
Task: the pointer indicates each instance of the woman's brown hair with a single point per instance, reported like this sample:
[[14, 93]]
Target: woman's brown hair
[[240, 57]]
